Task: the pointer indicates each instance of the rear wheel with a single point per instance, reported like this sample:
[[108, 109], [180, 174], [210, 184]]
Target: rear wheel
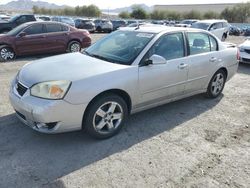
[[105, 116], [6, 53], [224, 36], [74, 46], [216, 84]]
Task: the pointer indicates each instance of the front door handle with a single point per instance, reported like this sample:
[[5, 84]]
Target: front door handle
[[213, 59], [182, 66]]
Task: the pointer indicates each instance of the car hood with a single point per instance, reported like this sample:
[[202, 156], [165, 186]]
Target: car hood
[[72, 67], [245, 44]]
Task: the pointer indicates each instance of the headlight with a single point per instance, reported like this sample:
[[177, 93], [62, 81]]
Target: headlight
[[51, 89]]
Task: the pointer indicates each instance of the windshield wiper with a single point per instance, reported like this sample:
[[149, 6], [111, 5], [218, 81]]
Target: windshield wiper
[[102, 58], [99, 57], [87, 53]]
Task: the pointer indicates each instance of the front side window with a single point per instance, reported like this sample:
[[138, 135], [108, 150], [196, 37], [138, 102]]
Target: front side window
[[121, 47], [201, 43], [170, 46], [34, 29]]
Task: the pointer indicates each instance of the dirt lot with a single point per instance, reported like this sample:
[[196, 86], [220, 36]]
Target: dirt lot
[[195, 142]]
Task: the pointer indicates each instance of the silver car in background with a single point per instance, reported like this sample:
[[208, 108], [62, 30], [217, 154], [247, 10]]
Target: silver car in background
[[127, 71]]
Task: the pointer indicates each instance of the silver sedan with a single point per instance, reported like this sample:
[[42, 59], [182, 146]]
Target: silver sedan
[[127, 71]]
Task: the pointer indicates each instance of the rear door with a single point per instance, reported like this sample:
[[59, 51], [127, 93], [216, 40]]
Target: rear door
[[57, 37], [33, 42], [202, 60]]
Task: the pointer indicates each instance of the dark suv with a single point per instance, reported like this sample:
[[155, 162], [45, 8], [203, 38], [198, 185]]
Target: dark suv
[[6, 26], [42, 38]]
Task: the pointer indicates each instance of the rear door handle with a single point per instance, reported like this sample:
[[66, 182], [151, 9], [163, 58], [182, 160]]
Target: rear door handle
[[182, 66], [213, 59]]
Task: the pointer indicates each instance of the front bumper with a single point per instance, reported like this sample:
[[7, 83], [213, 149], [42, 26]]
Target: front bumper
[[46, 116]]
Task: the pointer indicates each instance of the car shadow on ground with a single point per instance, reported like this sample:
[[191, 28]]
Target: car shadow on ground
[[31, 158], [244, 68]]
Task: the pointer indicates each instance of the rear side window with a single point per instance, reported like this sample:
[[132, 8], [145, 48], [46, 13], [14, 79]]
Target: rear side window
[[51, 28], [201, 43], [225, 24], [213, 43], [34, 29], [65, 28], [30, 18], [198, 43]]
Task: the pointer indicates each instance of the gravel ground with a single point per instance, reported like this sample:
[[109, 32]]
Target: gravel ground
[[195, 142]]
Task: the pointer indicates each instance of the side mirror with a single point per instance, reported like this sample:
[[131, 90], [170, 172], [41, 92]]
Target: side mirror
[[22, 34], [157, 59]]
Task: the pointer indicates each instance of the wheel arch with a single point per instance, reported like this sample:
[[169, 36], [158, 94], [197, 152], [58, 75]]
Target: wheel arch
[[123, 94], [224, 70]]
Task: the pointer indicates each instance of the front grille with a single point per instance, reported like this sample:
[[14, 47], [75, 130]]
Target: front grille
[[21, 115], [21, 89], [247, 51], [245, 60]]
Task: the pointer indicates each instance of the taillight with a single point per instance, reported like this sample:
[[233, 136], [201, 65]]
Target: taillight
[[238, 54]]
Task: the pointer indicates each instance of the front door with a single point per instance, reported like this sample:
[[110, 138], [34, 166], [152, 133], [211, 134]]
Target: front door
[[34, 40], [161, 81]]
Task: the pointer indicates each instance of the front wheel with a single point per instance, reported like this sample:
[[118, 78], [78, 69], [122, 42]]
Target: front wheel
[[6, 53], [216, 84], [105, 116]]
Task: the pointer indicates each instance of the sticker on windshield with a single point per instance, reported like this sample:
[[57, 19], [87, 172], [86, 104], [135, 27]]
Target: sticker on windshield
[[146, 35]]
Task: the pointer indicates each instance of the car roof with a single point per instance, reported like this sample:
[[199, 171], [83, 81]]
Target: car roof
[[157, 29], [211, 21], [45, 22]]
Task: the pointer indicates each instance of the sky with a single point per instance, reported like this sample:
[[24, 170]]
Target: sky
[[111, 4]]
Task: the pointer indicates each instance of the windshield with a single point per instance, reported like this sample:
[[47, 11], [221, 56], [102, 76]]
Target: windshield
[[16, 30], [121, 47], [203, 26]]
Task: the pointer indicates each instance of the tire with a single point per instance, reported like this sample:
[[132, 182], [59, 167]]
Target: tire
[[6, 53], [105, 116], [216, 84], [74, 46], [224, 36]]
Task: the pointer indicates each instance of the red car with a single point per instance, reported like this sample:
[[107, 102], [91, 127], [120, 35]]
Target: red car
[[42, 38]]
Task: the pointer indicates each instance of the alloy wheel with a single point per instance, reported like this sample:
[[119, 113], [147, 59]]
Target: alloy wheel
[[75, 47], [217, 84], [108, 117], [7, 54]]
